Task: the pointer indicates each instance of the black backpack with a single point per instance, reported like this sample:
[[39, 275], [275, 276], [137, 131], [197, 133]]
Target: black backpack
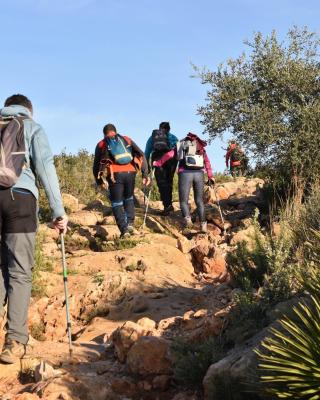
[[12, 150], [160, 142]]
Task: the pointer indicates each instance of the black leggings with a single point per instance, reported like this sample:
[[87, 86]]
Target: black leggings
[[121, 197], [164, 177]]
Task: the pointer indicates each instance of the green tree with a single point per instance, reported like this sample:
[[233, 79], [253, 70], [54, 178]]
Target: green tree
[[268, 99]]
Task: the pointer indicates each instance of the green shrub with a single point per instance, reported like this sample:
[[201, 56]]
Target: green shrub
[[41, 263], [116, 244], [306, 228], [248, 265], [268, 264], [72, 169], [98, 278], [139, 266], [37, 331], [246, 317], [192, 360]]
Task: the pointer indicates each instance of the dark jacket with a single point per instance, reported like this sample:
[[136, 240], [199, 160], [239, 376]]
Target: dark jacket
[[101, 152]]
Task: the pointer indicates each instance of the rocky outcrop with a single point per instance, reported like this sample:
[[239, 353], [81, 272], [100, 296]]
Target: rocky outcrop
[[124, 338], [236, 192], [150, 356], [86, 218], [232, 376], [208, 258], [70, 202]]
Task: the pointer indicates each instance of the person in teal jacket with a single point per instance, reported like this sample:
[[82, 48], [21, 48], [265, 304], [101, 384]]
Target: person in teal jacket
[[160, 142], [18, 224]]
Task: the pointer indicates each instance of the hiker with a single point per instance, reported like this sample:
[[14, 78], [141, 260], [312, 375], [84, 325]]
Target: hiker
[[193, 162], [237, 159], [27, 157], [116, 162], [160, 142]]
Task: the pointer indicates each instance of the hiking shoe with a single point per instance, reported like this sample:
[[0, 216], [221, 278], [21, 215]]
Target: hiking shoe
[[204, 227], [188, 222], [167, 210], [125, 235], [131, 229], [12, 351]]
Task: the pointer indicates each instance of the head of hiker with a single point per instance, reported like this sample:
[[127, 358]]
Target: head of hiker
[[233, 144], [110, 131], [19, 100], [165, 126]]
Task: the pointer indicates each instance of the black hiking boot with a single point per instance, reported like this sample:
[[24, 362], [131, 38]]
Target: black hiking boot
[[12, 352], [167, 211]]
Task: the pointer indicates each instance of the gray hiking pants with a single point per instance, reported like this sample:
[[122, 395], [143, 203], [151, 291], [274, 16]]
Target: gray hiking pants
[[188, 179], [18, 223]]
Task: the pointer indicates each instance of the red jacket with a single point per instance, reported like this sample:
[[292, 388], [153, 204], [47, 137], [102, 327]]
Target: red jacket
[[231, 148]]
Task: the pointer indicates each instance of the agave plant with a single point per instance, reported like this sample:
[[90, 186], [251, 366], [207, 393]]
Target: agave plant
[[290, 358]]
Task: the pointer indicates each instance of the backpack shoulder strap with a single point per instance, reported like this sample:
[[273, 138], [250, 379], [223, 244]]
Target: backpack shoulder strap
[[102, 145], [126, 139]]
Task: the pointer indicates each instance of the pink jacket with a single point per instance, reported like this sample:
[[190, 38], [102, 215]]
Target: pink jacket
[[172, 153]]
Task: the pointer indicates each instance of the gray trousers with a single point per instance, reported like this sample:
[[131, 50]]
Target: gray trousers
[[18, 222], [187, 180]]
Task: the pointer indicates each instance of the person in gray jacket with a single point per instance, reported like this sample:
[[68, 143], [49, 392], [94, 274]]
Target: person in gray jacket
[[18, 224]]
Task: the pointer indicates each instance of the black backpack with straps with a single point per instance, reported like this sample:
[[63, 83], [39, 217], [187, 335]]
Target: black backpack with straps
[[160, 141]]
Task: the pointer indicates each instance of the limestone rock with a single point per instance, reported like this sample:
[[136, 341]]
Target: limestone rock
[[124, 386], [139, 304], [150, 356], [161, 382], [124, 337], [216, 266], [139, 198], [70, 202], [45, 371], [154, 225], [147, 324], [85, 218], [234, 372], [185, 245], [26, 396], [96, 205], [212, 195]]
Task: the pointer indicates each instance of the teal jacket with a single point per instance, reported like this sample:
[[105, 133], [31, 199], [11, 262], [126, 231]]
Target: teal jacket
[[172, 139], [39, 161]]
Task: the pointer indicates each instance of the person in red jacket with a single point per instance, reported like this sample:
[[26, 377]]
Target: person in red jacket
[[193, 163], [235, 157], [116, 161]]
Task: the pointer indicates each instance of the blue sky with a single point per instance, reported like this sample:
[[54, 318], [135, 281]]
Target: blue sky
[[85, 63]]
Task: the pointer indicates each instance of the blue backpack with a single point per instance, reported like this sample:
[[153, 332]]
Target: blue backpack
[[120, 149]]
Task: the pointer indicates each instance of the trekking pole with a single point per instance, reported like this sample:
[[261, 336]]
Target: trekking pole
[[219, 207], [65, 283], [148, 200]]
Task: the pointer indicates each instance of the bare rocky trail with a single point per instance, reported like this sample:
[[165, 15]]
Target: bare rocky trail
[[129, 299]]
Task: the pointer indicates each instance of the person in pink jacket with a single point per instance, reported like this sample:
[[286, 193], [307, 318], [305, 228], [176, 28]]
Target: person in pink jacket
[[193, 163]]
